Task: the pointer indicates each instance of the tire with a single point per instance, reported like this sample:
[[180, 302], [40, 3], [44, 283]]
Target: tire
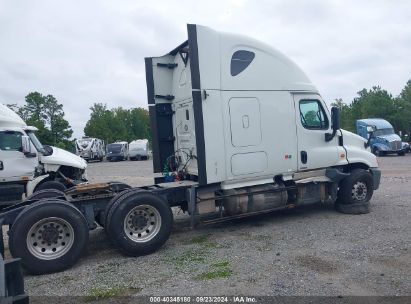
[[354, 192], [51, 185], [357, 208], [401, 153], [139, 223], [46, 193], [27, 237], [360, 178], [377, 152], [114, 201]]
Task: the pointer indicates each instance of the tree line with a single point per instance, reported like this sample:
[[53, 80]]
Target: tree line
[[120, 124], [378, 103], [117, 124], [46, 114]]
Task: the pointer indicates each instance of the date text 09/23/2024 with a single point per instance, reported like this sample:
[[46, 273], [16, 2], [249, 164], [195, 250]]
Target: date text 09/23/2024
[[203, 299]]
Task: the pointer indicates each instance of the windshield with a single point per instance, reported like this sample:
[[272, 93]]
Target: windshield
[[387, 131], [115, 148], [35, 141]]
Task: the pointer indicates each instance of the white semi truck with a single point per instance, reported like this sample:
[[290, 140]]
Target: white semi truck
[[238, 130], [90, 148], [27, 166]]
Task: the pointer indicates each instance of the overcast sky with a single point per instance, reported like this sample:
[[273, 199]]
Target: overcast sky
[[84, 52]]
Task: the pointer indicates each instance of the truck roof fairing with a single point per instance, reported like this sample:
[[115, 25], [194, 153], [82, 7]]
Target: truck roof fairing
[[269, 69], [8, 118], [379, 123]]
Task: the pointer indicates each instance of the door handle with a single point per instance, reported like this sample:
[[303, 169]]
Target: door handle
[[304, 157], [1, 165]]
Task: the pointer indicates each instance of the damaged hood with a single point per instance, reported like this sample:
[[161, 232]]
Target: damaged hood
[[64, 158]]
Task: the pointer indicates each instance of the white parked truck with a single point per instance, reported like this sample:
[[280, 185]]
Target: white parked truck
[[138, 149], [90, 148], [238, 130], [27, 166]]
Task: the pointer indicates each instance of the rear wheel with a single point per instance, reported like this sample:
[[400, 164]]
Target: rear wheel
[[140, 223], [355, 191], [114, 201], [49, 236]]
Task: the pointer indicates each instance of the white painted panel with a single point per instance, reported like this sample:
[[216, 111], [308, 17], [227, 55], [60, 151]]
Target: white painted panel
[[163, 77], [209, 56], [181, 82], [278, 133], [214, 137], [248, 163], [245, 122]]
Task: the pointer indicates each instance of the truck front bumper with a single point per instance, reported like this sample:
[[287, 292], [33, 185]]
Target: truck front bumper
[[376, 177]]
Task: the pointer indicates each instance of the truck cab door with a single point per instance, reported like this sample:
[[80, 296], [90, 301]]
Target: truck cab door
[[313, 121], [14, 165]]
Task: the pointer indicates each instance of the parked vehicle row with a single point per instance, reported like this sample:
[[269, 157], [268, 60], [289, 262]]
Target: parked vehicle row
[[90, 148]]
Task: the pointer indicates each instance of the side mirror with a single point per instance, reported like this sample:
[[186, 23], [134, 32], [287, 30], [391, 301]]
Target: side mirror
[[370, 133], [26, 147], [371, 129], [335, 123], [25, 144], [335, 118]]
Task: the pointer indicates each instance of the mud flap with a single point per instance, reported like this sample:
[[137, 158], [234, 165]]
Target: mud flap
[[12, 282]]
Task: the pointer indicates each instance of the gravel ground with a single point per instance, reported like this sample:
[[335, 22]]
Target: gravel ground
[[306, 251]]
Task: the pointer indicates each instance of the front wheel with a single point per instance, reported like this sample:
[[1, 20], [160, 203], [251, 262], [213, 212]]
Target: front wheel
[[49, 236], [139, 223], [357, 189], [401, 153], [378, 152]]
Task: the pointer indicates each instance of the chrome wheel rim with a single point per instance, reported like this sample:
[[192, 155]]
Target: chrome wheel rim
[[50, 238], [142, 223], [359, 191]]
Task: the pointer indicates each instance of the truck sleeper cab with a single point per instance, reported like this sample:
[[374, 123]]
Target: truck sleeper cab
[[237, 128]]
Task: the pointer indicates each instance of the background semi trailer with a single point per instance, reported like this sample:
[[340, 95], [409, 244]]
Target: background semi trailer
[[27, 166], [138, 149], [238, 129], [90, 148]]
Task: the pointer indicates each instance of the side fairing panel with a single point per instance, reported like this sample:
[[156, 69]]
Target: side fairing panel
[[270, 147]]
